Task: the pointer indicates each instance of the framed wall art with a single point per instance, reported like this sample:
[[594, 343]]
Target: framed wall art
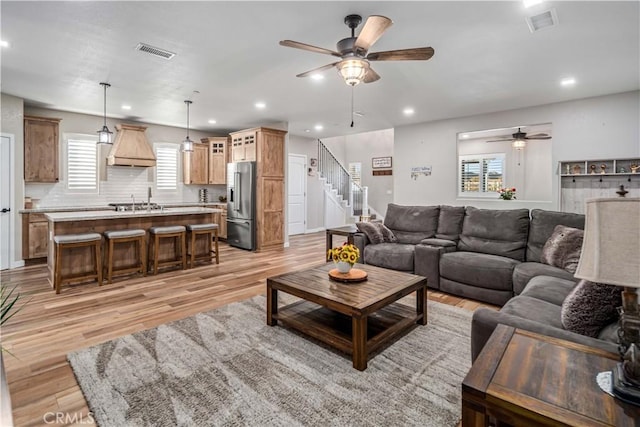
[[381, 162]]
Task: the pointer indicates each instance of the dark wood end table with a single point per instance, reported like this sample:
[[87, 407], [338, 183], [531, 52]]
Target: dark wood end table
[[347, 230], [523, 379], [356, 318]]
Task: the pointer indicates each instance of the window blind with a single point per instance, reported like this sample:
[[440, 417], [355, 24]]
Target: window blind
[[166, 168], [355, 170], [82, 164], [481, 174]]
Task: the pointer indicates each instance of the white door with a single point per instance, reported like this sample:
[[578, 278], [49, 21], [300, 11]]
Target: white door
[[5, 201], [297, 204]]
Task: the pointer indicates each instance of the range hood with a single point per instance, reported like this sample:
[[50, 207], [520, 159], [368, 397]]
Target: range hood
[[131, 148]]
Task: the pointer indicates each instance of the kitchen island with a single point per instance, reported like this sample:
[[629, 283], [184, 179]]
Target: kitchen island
[[77, 260]]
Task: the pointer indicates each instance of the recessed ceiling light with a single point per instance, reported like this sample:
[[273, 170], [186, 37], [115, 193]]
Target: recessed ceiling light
[[464, 136], [318, 127], [307, 130], [317, 76], [126, 107], [529, 3], [408, 111], [4, 43], [568, 81], [212, 122], [260, 105]]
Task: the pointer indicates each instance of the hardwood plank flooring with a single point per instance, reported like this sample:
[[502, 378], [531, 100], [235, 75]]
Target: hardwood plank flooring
[[49, 326]]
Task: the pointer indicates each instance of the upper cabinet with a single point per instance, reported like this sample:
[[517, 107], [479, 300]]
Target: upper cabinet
[[207, 163], [243, 145], [41, 140]]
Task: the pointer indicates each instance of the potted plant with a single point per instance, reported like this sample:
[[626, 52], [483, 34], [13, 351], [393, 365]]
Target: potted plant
[[344, 256], [507, 193]]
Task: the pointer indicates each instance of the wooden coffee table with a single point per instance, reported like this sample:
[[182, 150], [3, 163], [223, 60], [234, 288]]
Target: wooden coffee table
[[356, 318]]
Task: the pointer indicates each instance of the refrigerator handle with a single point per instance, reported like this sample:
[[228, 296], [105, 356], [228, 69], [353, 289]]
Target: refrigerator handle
[[236, 183]]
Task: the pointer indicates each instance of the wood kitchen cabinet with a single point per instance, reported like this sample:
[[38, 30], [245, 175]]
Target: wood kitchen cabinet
[[196, 165], [207, 163], [35, 236], [41, 141], [222, 232], [243, 145], [217, 159]]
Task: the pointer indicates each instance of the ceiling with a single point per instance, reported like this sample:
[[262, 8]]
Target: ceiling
[[486, 60]]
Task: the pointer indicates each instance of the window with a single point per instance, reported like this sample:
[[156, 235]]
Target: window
[[481, 175], [166, 167], [82, 163]]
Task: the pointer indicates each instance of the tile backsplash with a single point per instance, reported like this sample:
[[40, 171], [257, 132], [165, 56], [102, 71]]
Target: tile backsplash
[[120, 184]]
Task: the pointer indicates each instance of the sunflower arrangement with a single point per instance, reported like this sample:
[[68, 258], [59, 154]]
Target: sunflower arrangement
[[346, 253]]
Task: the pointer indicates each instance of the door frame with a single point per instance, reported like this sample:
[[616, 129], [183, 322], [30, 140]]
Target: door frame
[[13, 261], [304, 175]]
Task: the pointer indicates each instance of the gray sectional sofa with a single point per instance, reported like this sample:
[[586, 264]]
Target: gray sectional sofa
[[487, 255]]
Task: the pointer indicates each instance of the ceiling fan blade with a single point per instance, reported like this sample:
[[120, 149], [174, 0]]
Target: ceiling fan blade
[[371, 76], [317, 70], [539, 136], [310, 48], [415, 54], [375, 26]]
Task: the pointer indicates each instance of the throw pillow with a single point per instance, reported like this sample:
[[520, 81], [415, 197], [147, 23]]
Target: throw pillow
[[563, 248], [590, 307], [376, 232]]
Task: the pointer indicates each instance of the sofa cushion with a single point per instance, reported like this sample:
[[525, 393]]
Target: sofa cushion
[[450, 222], [376, 232], [550, 289], [542, 225], [534, 309], [563, 248], [482, 270], [411, 224], [496, 232], [526, 271], [396, 256], [590, 307]]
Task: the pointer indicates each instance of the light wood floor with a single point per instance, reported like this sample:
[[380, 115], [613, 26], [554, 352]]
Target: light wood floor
[[49, 326]]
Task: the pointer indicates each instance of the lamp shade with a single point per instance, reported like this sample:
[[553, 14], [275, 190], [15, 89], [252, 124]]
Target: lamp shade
[[610, 249], [519, 144], [353, 70]]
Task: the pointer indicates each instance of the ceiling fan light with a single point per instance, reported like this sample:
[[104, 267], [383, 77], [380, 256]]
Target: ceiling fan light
[[353, 70], [519, 144]]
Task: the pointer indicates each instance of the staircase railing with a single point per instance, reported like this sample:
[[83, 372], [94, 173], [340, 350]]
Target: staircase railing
[[339, 178]]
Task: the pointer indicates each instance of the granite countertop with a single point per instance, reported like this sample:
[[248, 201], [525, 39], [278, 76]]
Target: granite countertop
[[112, 214], [106, 208]]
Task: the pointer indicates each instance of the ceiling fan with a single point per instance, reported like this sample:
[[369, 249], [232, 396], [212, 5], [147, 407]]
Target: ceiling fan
[[520, 139], [354, 51]]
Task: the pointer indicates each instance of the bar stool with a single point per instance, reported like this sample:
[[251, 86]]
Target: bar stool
[[70, 241], [211, 232], [125, 236], [177, 232]]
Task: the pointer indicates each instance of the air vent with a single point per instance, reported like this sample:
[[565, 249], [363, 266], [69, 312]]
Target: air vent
[[542, 20], [156, 51]]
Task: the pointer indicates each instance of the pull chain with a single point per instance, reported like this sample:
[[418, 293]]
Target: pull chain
[[352, 111]]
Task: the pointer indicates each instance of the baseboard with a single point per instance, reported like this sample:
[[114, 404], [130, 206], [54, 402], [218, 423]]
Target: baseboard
[[313, 230]]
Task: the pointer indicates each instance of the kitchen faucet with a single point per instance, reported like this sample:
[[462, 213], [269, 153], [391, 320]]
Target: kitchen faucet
[[133, 203]]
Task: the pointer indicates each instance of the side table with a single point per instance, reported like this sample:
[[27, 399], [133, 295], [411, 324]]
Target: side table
[[348, 230], [523, 378]]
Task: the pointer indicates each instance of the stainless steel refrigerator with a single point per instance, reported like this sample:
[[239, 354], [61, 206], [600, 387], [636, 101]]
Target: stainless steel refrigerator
[[241, 204]]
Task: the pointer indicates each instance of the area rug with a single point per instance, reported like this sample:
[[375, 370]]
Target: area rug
[[226, 367]]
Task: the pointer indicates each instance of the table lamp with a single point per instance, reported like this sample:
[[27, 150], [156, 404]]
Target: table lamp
[[611, 255]]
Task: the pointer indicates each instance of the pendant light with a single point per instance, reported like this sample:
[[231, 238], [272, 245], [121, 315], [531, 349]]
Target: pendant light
[[104, 134], [187, 144]]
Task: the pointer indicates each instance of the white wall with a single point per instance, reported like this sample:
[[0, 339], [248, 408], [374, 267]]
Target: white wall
[[12, 124], [592, 128]]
